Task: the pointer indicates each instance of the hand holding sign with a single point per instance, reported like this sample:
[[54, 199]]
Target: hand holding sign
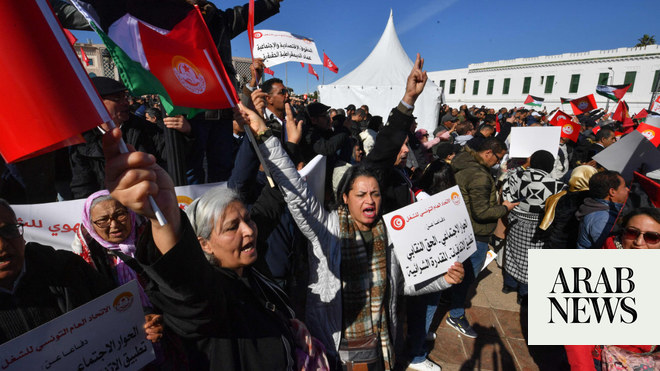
[[429, 236]]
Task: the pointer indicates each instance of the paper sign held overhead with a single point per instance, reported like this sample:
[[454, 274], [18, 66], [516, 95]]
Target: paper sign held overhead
[[277, 47], [430, 235], [525, 141]]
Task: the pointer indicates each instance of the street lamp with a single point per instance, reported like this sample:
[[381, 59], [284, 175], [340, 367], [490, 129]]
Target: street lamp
[[607, 106]]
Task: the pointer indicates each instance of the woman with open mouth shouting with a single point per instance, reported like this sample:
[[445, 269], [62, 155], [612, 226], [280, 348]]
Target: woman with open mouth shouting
[[353, 275]]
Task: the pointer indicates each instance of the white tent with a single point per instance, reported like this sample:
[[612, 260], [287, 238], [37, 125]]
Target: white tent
[[380, 81]]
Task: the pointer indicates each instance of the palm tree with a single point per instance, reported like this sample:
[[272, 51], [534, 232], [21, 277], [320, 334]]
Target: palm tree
[[646, 40]]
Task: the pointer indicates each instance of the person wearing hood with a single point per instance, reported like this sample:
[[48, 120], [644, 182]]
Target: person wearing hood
[[472, 170], [598, 213], [560, 220], [531, 187]]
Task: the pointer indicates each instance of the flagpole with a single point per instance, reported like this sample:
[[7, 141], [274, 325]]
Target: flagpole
[[307, 82], [323, 72], [286, 75]]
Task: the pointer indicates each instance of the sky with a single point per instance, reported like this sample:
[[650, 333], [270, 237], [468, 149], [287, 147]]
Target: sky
[[450, 33]]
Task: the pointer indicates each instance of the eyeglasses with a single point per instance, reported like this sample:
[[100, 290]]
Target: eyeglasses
[[632, 233], [499, 159], [117, 97], [11, 231], [119, 217], [283, 92]]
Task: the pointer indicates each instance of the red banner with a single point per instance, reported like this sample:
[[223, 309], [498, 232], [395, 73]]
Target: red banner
[[46, 102]]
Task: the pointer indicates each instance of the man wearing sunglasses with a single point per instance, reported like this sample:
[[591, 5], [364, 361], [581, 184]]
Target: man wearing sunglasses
[[38, 283], [597, 214]]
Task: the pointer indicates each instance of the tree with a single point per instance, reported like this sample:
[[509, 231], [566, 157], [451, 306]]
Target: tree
[[646, 40]]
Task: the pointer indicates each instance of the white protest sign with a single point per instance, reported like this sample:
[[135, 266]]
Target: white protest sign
[[525, 141], [314, 175], [104, 334], [599, 296], [430, 235], [277, 47]]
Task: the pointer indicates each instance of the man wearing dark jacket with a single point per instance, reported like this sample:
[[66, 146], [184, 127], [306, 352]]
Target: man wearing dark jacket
[[388, 157], [38, 283], [87, 161], [472, 170]]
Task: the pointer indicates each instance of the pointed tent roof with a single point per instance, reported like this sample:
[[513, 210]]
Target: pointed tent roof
[[387, 65], [380, 82]]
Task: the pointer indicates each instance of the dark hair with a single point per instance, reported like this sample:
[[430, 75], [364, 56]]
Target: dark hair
[[604, 133], [267, 86], [542, 160], [360, 112], [601, 183], [648, 211], [437, 177], [464, 127], [154, 113], [347, 180], [492, 143]]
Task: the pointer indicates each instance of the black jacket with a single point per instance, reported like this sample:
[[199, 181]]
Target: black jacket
[[54, 282], [394, 184], [88, 162], [227, 322]]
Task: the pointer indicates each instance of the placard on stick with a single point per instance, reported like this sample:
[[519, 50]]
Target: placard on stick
[[430, 235]]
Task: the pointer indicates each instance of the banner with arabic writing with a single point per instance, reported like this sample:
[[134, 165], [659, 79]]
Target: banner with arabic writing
[[55, 223], [277, 47], [430, 235], [104, 334]]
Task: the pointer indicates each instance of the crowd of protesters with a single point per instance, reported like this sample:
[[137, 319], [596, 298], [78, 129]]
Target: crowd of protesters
[[259, 273]]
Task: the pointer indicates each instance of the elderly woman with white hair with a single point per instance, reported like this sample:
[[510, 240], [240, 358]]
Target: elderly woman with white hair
[[230, 316]]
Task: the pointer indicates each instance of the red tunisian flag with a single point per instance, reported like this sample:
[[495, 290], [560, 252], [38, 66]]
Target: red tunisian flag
[[651, 133], [583, 104], [310, 69], [33, 87], [269, 71], [186, 62], [83, 55], [569, 129], [559, 115], [328, 63]]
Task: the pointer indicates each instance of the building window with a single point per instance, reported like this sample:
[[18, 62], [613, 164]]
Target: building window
[[542, 79], [603, 77], [489, 90], [475, 87], [526, 83], [464, 85], [549, 84], [655, 86], [91, 61], [630, 79], [575, 82], [505, 87], [442, 85], [452, 86]]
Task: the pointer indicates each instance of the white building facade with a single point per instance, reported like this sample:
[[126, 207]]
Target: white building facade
[[507, 83]]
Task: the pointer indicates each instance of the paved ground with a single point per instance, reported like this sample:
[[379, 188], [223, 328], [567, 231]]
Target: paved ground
[[501, 343]]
